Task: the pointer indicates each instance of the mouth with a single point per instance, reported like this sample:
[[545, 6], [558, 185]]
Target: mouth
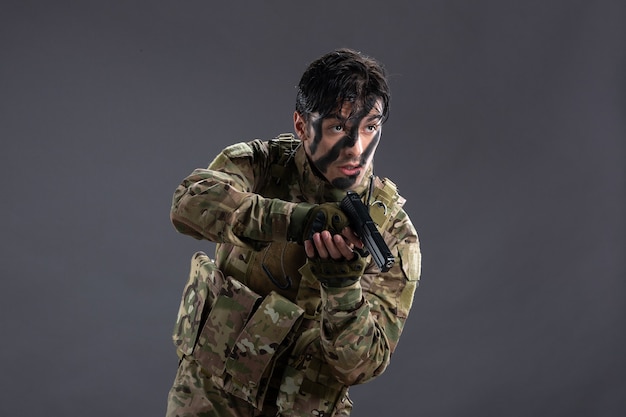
[[350, 170]]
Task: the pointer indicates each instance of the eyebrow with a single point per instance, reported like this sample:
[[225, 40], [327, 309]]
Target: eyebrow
[[374, 117]]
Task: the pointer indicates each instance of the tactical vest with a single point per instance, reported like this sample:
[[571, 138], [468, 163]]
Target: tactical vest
[[260, 310], [276, 266]]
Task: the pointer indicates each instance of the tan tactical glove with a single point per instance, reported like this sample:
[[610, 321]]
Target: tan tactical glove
[[308, 219]]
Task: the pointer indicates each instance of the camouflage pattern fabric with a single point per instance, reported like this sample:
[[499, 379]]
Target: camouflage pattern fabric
[[259, 344], [204, 283], [194, 394], [225, 321], [345, 336]]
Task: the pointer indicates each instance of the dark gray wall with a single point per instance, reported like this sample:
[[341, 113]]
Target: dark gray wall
[[507, 137]]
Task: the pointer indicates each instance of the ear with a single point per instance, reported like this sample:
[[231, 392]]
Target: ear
[[299, 125]]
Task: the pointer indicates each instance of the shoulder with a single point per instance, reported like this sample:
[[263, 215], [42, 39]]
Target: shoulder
[[283, 146], [273, 149], [245, 149], [242, 154]]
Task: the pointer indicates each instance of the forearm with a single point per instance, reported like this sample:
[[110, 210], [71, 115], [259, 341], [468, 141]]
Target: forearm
[[362, 323], [213, 205], [355, 345]]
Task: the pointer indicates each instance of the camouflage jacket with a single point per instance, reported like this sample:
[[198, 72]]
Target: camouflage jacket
[[244, 201]]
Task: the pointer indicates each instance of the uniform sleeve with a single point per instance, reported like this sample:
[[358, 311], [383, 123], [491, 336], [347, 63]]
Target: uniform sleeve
[[219, 203], [362, 323]]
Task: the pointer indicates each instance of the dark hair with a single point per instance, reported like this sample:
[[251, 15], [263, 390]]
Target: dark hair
[[343, 75]]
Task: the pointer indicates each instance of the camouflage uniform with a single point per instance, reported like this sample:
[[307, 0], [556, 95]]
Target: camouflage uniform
[[256, 333]]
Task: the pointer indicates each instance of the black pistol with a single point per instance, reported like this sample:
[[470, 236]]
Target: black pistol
[[364, 226]]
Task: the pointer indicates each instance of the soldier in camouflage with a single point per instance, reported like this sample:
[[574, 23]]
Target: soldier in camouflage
[[292, 311]]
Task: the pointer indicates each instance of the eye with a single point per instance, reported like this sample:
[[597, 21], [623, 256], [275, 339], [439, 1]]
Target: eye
[[337, 128], [371, 128]]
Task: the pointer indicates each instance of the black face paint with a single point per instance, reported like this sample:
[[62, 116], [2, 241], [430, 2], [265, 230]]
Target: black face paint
[[370, 148], [322, 163], [333, 154], [357, 116], [317, 128], [346, 141], [344, 183]]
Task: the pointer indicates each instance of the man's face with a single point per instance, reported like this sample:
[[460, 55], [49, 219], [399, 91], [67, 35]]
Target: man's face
[[341, 145]]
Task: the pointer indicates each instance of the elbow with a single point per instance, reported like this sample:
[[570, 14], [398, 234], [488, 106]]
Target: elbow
[[351, 366], [182, 224]]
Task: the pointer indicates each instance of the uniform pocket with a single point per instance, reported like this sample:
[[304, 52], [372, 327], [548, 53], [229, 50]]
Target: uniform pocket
[[264, 338], [410, 260], [231, 310]]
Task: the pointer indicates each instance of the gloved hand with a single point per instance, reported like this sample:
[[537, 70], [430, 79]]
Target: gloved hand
[[308, 219], [338, 273]]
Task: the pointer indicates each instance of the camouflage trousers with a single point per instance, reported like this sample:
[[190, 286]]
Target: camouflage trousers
[[194, 394]]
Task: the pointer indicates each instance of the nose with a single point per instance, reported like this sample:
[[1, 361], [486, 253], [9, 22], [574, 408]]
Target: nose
[[354, 148]]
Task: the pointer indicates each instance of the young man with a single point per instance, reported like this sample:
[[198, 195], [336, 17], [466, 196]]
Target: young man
[[293, 311]]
